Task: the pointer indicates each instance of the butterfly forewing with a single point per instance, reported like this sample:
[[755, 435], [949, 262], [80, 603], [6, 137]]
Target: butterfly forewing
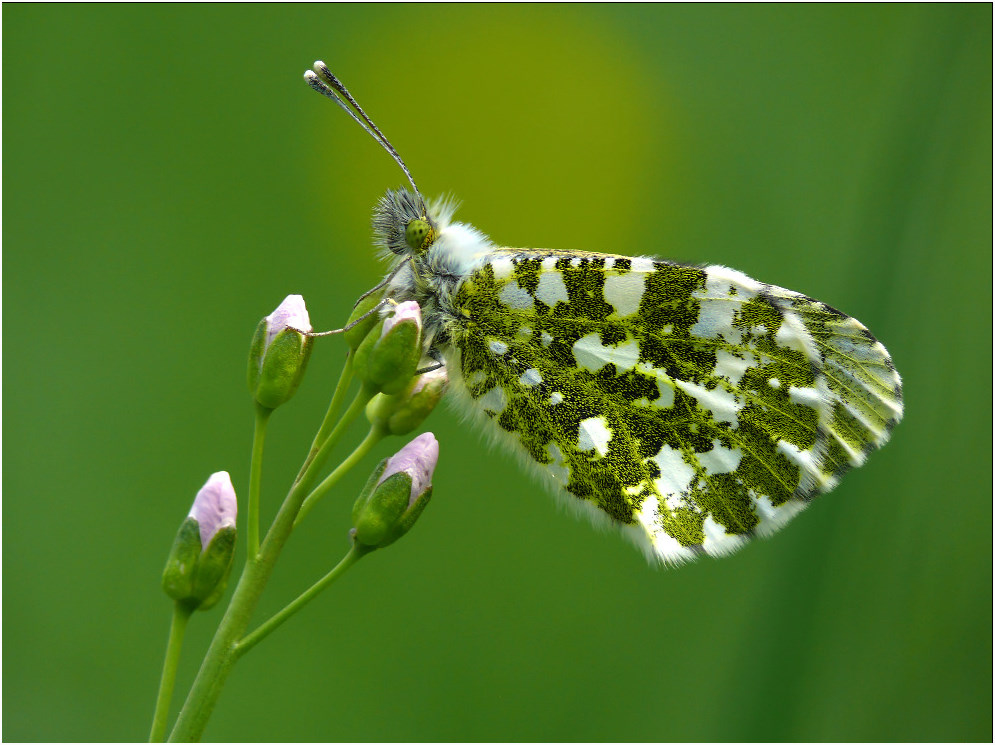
[[693, 405]]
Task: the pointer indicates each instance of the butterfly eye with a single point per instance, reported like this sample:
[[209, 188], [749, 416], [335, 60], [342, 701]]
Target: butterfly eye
[[418, 235]]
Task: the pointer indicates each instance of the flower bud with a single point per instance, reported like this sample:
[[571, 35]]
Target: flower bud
[[387, 359], [201, 558], [405, 411], [354, 336], [396, 493], [279, 353]]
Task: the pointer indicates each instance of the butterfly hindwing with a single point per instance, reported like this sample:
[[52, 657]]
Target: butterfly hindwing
[[693, 406]]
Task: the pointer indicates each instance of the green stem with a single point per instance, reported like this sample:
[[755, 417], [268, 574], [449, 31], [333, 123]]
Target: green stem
[[372, 438], [341, 388], [220, 656], [181, 614], [255, 478], [310, 471], [218, 660], [355, 554]]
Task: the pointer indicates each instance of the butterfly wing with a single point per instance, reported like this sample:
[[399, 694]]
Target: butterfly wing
[[694, 407]]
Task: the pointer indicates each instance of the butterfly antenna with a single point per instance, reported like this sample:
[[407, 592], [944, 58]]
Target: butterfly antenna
[[320, 78]]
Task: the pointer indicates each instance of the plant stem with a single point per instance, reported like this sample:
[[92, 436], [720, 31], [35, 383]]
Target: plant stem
[[250, 640], [372, 438], [220, 656], [181, 614], [309, 472], [341, 388], [255, 478], [215, 668]]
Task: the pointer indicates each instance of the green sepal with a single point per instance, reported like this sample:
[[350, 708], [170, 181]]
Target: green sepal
[[354, 336], [256, 350], [361, 361], [408, 519], [388, 363], [367, 490], [275, 374], [382, 407], [181, 565], [213, 568], [377, 518]]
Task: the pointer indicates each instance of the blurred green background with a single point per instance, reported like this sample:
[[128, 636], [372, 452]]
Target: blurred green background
[[168, 178]]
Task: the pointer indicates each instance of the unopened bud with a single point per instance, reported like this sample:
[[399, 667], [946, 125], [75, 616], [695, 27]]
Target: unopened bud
[[405, 411], [279, 353], [386, 359], [396, 493], [201, 558]]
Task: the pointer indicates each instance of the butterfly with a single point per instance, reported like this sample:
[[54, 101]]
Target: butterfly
[[691, 406]]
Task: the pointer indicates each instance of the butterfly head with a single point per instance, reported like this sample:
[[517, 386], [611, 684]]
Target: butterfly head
[[403, 225]]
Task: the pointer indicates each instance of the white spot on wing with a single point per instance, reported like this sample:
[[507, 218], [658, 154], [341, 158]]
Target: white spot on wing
[[594, 435], [731, 366], [551, 289], [592, 355], [717, 542], [794, 335], [624, 291], [498, 347], [664, 386], [530, 377], [722, 297], [666, 399], [720, 402], [720, 459], [515, 297], [503, 267], [675, 475]]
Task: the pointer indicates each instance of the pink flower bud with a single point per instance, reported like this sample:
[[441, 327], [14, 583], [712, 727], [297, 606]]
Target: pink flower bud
[[291, 313], [279, 353], [417, 459], [406, 311], [214, 507], [386, 363]]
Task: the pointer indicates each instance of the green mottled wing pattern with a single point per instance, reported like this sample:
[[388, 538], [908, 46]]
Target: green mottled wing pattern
[[694, 407]]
